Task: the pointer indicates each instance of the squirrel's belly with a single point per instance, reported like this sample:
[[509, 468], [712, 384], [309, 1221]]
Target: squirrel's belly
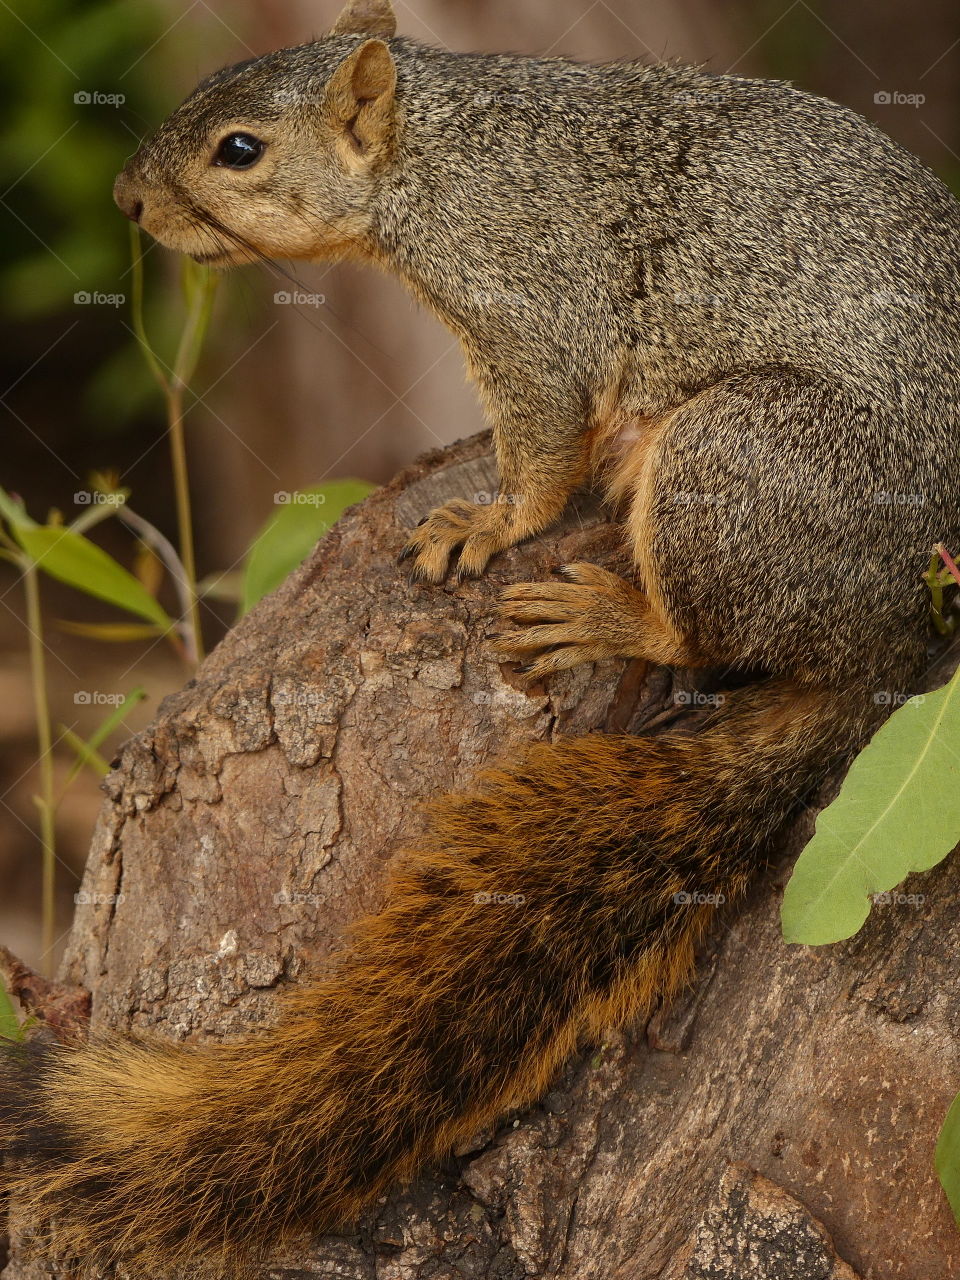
[[620, 448]]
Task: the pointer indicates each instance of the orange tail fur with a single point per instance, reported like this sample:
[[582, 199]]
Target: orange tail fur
[[544, 905]]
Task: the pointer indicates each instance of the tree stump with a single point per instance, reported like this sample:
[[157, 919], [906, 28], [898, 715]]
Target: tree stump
[[778, 1121]]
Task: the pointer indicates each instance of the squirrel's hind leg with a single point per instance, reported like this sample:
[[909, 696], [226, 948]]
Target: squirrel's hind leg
[[590, 614]]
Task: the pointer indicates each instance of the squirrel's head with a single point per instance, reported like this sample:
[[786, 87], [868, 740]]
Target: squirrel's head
[[278, 157]]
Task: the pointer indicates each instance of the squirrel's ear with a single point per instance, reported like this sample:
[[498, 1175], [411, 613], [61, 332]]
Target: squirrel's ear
[[366, 17], [360, 95]]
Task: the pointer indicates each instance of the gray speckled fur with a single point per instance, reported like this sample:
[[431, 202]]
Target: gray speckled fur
[[762, 256]]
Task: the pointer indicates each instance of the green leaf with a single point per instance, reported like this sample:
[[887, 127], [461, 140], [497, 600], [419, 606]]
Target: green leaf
[[291, 534], [75, 560], [898, 811], [9, 1024], [14, 512], [104, 730], [85, 753], [227, 586], [87, 750], [111, 632], [947, 1157]]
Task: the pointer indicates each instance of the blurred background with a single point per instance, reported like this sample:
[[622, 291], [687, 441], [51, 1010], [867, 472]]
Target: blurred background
[[285, 396]]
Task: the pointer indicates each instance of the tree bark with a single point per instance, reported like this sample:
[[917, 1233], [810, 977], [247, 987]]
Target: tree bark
[[778, 1121]]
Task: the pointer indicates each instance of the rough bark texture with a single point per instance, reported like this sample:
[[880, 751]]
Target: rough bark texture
[[779, 1121]]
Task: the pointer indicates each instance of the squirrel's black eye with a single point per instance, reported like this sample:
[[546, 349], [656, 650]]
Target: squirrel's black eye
[[239, 151]]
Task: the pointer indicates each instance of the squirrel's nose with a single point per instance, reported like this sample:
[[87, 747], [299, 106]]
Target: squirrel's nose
[[126, 193]]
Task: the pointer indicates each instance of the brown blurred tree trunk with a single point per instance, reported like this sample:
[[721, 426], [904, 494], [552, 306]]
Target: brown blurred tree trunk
[[256, 817]]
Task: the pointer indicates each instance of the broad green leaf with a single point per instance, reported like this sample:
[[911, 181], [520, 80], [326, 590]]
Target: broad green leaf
[[947, 1157], [75, 560], [898, 811], [301, 519], [9, 1025]]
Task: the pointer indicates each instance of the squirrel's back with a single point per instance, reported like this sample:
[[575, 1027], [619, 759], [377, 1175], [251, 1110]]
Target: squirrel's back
[[796, 230], [704, 224]]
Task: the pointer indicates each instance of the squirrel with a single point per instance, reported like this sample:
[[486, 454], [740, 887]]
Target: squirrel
[[735, 304]]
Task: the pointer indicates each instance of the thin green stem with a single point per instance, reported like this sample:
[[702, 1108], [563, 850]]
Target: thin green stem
[[199, 287], [46, 801], [948, 560], [137, 308], [181, 485], [162, 547], [94, 515]]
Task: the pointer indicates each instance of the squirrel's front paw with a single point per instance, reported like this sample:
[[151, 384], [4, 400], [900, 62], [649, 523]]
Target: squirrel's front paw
[[479, 532]]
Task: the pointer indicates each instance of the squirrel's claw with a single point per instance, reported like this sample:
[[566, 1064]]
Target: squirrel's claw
[[477, 531], [475, 555]]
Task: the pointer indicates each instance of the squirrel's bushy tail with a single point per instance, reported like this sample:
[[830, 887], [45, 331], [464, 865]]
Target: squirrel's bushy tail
[[563, 894]]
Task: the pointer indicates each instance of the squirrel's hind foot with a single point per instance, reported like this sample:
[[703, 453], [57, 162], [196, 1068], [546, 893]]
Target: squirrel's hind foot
[[590, 615]]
